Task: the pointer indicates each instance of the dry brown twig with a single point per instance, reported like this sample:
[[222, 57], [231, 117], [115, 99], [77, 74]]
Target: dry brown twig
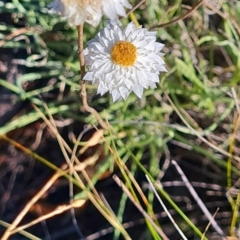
[[179, 18], [137, 5]]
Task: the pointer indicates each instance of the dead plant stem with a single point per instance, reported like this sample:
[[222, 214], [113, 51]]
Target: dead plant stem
[[83, 83], [179, 18]]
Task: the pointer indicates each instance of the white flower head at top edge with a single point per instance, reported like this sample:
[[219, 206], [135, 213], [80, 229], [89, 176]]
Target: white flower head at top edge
[[124, 60], [76, 12]]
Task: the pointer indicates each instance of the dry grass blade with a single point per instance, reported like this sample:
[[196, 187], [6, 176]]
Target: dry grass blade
[[236, 99], [209, 224], [24, 233], [59, 210], [231, 150], [198, 200], [136, 6], [199, 135], [93, 197], [138, 206], [129, 175], [214, 8], [25, 210], [165, 209]]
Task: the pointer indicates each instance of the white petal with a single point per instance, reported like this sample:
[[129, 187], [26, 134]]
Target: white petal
[[88, 76], [124, 92], [109, 10], [115, 95], [102, 89], [138, 90]]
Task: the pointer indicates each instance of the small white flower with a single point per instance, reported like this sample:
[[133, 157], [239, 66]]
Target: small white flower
[[76, 12], [122, 60]]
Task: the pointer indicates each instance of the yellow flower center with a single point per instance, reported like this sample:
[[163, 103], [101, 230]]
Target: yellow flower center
[[124, 53]]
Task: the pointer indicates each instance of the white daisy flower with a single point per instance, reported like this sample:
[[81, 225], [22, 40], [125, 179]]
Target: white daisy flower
[[76, 12], [122, 60]]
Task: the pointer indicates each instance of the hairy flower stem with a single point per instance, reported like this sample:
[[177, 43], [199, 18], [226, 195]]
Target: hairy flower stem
[[83, 83]]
